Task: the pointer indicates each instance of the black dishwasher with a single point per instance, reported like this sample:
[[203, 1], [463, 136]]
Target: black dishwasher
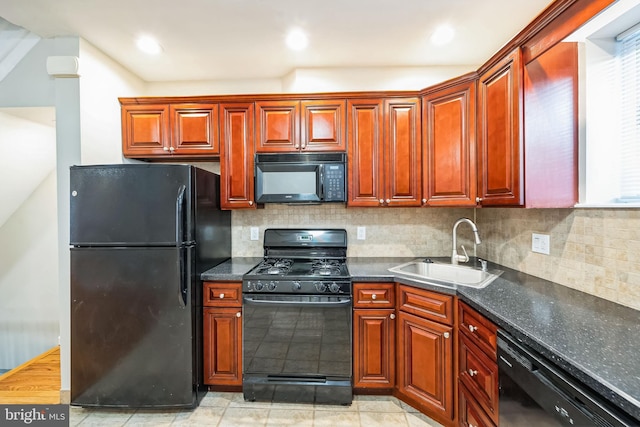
[[534, 392]]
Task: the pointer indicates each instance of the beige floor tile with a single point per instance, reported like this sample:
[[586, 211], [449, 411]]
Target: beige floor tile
[[151, 419], [338, 408], [417, 419], [383, 419], [290, 417], [77, 415], [336, 419], [379, 406], [218, 399], [105, 417], [201, 416], [243, 417]]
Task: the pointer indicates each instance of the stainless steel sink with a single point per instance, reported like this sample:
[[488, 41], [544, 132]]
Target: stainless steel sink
[[448, 275]]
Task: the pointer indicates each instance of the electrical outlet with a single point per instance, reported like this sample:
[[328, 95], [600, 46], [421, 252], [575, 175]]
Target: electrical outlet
[[255, 233], [361, 233], [540, 243]]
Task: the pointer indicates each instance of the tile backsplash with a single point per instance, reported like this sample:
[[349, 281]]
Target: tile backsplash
[[596, 251]]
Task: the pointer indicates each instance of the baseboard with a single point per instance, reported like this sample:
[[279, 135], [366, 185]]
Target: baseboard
[[65, 397]]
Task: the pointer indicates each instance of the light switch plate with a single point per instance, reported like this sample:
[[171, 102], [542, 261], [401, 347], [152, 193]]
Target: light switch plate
[[255, 233], [361, 233], [540, 243]]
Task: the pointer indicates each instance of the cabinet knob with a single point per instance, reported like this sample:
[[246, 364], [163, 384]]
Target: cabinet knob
[[172, 149], [165, 148], [238, 314], [446, 335], [478, 199], [250, 202], [374, 296], [424, 201], [472, 372], [388, 201], [473, 328], [381, 201], [221, 296], [392, 316]]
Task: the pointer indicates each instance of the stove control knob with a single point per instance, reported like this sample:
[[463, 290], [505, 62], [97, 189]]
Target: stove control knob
[[296, 286], [334, 287], [272, 286], [258, 286], [321, 287]]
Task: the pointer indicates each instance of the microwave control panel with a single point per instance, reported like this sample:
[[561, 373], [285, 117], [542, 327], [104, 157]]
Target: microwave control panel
[[334, 183]]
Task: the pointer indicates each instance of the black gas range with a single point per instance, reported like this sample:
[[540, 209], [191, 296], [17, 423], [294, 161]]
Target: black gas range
[[297, 319], [301, 261]]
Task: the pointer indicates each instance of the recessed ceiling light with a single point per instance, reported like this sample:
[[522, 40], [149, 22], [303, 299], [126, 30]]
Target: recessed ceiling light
[[297, 39], [148, 45], [442, 35]]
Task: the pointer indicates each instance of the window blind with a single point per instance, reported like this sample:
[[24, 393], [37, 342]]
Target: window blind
[[629, 65]]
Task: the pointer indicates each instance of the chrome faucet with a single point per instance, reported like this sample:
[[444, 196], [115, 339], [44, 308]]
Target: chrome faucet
[[455, 258]]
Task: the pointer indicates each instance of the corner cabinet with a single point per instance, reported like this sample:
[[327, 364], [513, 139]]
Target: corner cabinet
[[374, 337], [236, 156], [169, 130], [500, 130], [291, 126], [384, 152], [426, 351], [222, 334], [449, 139]]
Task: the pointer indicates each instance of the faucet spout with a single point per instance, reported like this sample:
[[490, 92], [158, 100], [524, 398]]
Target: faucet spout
[[455, 257]]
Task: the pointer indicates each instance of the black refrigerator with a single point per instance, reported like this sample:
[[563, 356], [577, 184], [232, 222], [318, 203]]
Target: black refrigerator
[[141, 235]]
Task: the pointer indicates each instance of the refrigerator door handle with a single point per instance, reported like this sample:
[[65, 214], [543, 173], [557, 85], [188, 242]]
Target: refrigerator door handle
[[185, 275], [180, 215]]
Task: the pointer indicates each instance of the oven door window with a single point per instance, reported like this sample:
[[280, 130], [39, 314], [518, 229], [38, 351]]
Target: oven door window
[[297, 338]]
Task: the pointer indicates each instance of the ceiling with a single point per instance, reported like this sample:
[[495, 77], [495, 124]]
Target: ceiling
[[244, 39]]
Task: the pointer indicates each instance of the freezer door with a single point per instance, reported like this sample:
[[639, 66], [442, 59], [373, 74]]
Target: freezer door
[[136, 204], [133, 318]]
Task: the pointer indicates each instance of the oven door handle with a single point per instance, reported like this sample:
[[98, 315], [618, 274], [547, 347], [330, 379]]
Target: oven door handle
[[286, 303]]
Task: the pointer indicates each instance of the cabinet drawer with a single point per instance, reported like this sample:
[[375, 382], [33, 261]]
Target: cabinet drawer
[[426, 304], [480, 331], [373, 295], [470, 413], [479, 374], [222, 294]]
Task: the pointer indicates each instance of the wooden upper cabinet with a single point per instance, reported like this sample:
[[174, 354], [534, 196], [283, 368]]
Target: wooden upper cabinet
[[551, 128], [500, 153], [323, 125], [384, 152], [236, 155], [449, 138], [162, 130], [194, 129], [286, 126], [145, 130]]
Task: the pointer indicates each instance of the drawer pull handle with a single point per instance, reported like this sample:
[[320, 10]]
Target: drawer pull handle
[[392, 316], [473, 328], [221, 296], [472, 372], [373, 296], [238, 314]]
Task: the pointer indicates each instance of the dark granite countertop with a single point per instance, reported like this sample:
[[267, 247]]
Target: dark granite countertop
[[591, 338]]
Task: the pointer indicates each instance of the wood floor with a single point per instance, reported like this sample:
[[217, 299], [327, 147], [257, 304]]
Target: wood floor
[[34, 382]]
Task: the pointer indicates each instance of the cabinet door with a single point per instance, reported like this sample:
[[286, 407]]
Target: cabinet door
[[194, 129], [366, 181], [500, 153], [449, 166], [277, 126], [145, 130], [236, 155], [323, 127], [222, 346], [402, 153], [470, 413], [374, 348], [425, 365], [479, 374]]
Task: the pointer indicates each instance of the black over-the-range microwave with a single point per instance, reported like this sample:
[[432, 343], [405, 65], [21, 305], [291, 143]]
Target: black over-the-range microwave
[[300, 178]]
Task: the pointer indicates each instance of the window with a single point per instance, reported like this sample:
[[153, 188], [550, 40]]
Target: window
[[609, 107]]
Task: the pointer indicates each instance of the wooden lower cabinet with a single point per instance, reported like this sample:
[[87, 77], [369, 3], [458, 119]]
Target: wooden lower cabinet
[[425, 366], [374, 349], [470, 412], [222, 335]]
